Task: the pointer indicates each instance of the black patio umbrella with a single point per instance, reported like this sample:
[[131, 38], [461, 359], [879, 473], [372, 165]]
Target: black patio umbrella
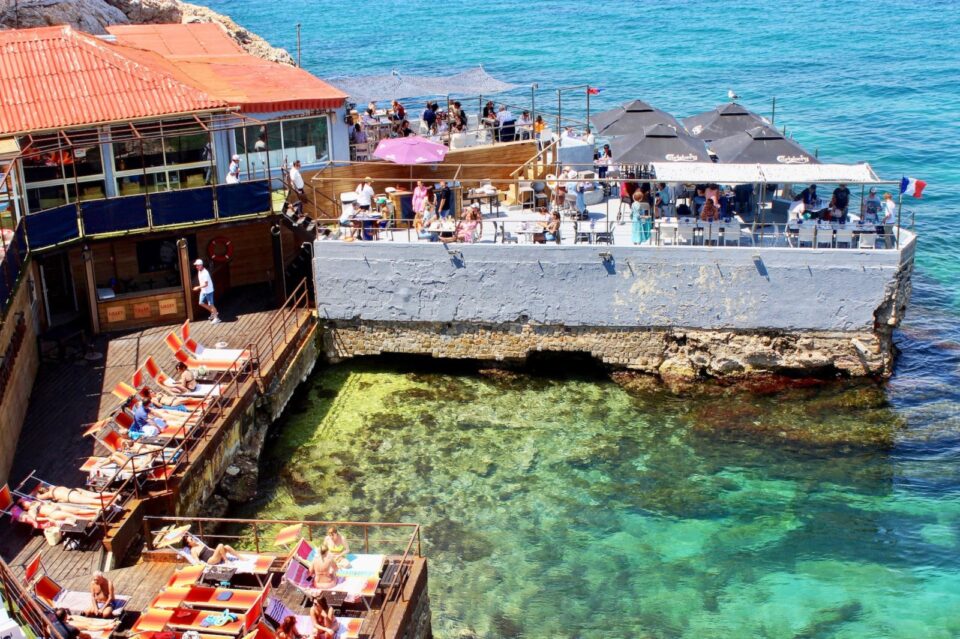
[[760, 145], [722, 122], [631, 117], [658, 143]]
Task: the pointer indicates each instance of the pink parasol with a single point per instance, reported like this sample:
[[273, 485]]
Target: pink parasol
[[410, 150]]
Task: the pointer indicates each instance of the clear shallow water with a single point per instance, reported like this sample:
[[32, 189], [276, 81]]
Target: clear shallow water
[[573, 508], [710, 518]]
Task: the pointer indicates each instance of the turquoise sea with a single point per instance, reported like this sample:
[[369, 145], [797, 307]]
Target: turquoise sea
[[572, 507]]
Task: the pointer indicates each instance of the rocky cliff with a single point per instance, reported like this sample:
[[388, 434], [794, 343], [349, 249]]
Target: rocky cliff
[[93, 16]]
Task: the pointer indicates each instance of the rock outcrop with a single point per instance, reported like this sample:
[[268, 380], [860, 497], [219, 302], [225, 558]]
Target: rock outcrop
[[93, 16]]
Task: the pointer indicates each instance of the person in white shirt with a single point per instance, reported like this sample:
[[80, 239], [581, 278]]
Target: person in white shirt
[[504, 115], [588, 137], [295, 180], [206, 291], [889, 210], [525, 126], [233, 171], [365, 194]]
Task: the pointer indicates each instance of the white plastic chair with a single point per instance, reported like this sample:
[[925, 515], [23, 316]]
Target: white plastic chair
[[844, 236], [526, 195], [868, 241], [825, 237], [685, 233], [806, 234], [731, 233]]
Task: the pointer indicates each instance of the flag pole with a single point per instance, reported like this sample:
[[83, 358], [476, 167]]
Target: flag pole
[[588, 106], [899, 211]]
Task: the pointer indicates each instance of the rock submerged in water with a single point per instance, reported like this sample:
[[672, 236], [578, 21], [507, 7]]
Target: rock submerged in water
[[94, 16], [239, 483]]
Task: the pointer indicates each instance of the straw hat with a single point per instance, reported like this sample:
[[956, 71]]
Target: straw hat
[[368, 179]]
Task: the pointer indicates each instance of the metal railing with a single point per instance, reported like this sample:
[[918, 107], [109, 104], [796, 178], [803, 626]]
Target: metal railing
[[260, 527], [23, 606], [214, 407]]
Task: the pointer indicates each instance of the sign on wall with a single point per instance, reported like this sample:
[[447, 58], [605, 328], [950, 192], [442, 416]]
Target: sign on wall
[[116, 313], [141, 310], [168, 306]]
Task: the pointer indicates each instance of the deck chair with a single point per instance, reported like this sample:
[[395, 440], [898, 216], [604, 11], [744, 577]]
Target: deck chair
[[245, 563], [196, 620], [276, 611], [50, 593], [207, 597], [34, 568], [213, 365], [201, 351], [186, 576], [152, 369], [205, 355]]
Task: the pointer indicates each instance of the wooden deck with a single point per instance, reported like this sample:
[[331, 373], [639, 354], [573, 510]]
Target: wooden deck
[[69, 394]]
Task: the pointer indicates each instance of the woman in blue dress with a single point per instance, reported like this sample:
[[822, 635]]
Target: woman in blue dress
[[640, 216]]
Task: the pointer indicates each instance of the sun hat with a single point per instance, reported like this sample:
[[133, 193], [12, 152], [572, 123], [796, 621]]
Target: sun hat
[[198, 262]]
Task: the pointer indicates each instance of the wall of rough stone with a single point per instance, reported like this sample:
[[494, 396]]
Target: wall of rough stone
[[671, 353], [632, 287]]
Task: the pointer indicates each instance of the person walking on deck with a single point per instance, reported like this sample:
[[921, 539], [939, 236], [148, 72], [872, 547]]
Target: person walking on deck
[[205, 288]]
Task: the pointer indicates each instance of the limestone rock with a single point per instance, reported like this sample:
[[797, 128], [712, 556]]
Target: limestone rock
[[241, 486], [93, 16], [215, 507], [86, 15]]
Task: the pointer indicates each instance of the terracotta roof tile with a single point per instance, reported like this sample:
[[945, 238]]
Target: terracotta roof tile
[[56, 77]]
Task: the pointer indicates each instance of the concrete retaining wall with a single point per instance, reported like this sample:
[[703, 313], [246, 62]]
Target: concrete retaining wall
[[689, 287]]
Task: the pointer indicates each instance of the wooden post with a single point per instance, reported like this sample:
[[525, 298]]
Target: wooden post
[[91, 278], [186, 280]]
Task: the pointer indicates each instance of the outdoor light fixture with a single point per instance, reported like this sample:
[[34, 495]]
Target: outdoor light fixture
[[606, 257]]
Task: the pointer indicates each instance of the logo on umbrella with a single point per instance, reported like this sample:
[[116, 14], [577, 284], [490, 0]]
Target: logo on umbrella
[[678, 157], [793, 159]]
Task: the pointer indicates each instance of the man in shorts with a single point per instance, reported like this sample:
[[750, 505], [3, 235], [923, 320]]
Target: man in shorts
[[206, 291]]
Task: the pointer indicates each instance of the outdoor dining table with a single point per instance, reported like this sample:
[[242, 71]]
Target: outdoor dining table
[[368, 222], [480, 196]]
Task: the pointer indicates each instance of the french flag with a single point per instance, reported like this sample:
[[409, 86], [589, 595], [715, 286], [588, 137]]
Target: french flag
[[912, 186]]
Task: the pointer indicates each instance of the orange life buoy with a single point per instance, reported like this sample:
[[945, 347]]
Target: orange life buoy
[[220, 249]]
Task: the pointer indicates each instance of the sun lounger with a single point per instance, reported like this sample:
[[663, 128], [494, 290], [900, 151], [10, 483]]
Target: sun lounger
[[54, 596], [96, 628], [262, 631], [202, 352], [207, 620], [152, 369], [277, 611], [213, 359], [297, 575], [207, 597], [186, 576], [246, 562]]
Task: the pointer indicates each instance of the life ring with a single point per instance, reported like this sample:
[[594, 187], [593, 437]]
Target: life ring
[[220, 249]]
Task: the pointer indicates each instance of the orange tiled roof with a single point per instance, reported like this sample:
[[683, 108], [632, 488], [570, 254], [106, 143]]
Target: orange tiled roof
[[56, 77], [205, 56]]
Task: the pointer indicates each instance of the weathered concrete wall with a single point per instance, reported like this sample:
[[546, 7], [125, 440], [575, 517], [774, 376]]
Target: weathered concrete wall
[[688, 287], [675, 312]]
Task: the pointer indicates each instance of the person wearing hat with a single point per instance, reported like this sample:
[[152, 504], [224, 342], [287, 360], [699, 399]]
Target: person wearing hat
[[365, 194], [233, 171], [870, 207], [206, 291]]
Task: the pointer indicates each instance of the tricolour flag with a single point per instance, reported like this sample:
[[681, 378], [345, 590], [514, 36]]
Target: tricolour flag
[[912, 186], [593, 90]]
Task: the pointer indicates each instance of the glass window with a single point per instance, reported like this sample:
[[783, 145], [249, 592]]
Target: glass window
[[42, 167], [193, 178], [87, 161], [187, 149], [46, 197], [305, 140], [92, 190]]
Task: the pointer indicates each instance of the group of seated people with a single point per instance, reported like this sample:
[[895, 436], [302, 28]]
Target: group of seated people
[[429, 225], [873, 209]]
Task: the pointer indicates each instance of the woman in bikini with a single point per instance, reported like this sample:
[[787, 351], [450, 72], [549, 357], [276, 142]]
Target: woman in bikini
[[323, 569], [325, 623], [203, 553], [185, 382], [67, 495], [335, 542]]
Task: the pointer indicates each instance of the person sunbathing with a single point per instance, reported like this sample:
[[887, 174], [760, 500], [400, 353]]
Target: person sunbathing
[[69, 630], [67, 495], [101, 591], [164, 402], [186, 382], [323, 569], [42, 514], [212, 557], [325, 624], [335, 542]]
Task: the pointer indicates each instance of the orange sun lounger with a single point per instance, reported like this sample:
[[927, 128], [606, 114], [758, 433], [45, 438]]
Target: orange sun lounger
[[207, 597], [202, 352], [186, 576]]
